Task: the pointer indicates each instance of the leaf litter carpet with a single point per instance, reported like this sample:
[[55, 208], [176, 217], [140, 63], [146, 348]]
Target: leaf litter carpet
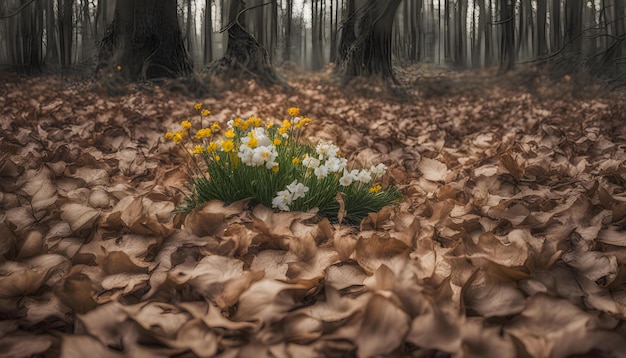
[[510, 240]]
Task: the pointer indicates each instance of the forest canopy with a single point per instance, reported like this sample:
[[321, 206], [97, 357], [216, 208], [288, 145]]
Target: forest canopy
[[576, 35]]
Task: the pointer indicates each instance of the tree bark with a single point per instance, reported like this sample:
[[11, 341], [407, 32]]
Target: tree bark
[[244, 55], [145, 40], [208, 32], [370, 53], [507, 21]]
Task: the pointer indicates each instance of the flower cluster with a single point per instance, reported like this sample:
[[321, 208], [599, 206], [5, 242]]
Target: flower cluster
[[268, 162]]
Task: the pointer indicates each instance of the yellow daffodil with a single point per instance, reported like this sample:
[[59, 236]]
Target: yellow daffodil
[[227, 145], [375, 189], [198, 106], [212, 147], [237, 122], [185, 124], [293, 111], [276, 141], [295, 161], [169, 135], [198, 149], [230, 134], [177, 137], [275, 168], [215, 127], [205, 112]]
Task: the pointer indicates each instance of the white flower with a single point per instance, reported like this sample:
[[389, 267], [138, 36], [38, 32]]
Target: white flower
[[378, 170], [230, 124], [261, 137], [282, 200], [326, 150], [363, 176], [346, 178], [321, 172], [311, 162], [245, 154], [335, 165], [298, 190]]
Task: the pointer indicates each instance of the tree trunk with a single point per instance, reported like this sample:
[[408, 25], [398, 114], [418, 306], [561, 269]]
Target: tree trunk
[[542, 9], [555, 25], [145, 40], [507, 50], [288, 34], [208, 32], [370, 54], [65, 24], [244, 55]]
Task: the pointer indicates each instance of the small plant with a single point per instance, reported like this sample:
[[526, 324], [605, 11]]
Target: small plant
[[269, 163]]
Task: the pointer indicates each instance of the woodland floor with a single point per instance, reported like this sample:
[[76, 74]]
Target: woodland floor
[[510, 240]]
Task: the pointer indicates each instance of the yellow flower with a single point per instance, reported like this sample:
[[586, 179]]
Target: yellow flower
[[169, 135], [299, 124], [185, 124], [217, 158], [205, 112], [258, 122], [276, 141], [306, 120], [295, 161], [293, 111], [375, 189], [230, 134], [282, 130], [198, 149], [253, 142], [119, 68], [228, 145], [215, 127], [244, 125], [275, 168], [177, 137], [269, 125], [198, 106], [204, 132], [212, 147], [287, 124], [236, 122]]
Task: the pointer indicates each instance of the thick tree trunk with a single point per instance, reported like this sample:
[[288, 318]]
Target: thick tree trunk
[[244, 55], [370, 53], [145, 40]]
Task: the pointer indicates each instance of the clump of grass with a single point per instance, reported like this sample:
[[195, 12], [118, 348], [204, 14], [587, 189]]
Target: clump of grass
[[269, 163]]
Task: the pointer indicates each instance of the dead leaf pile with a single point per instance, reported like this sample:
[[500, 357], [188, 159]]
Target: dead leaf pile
[[510, 241]]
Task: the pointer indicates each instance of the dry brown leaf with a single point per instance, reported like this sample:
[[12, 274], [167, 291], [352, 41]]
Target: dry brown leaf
[[433, 169], [79, 216], [372, 252], [384, 328]]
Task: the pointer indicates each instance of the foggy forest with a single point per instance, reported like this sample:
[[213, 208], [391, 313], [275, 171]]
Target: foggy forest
[[312, 178]]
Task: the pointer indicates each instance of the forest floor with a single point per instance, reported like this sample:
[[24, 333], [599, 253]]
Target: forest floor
[[510, 240]]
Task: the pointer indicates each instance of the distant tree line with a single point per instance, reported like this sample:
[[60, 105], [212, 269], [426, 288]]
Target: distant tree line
[[362, 37]]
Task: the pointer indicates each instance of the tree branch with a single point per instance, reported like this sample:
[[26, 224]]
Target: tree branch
[[17, 11]]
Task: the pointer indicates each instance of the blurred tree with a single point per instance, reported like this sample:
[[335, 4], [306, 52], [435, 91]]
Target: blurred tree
[[244, 54], [369, 53], [145, 40]]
